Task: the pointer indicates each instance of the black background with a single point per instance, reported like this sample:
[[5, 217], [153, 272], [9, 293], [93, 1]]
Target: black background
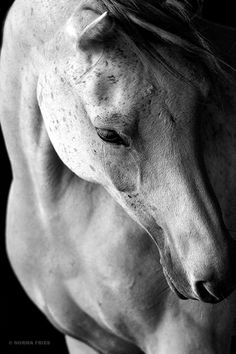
[[20, 319]]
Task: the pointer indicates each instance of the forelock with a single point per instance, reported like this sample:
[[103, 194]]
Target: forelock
[[167, 22]]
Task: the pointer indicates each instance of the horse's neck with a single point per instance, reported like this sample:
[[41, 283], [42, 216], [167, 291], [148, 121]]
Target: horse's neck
[[36, 21]]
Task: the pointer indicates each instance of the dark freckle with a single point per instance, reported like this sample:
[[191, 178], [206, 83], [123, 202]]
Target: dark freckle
[[69, 113], [135, 195], [172, 118], [92, 168], [129, 196], [52, 96], [75, 150], [95, 151], [153, 208], [62, 80], [112, 79]]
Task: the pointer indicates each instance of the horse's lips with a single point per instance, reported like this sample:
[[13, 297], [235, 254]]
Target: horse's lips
[[172, 286]]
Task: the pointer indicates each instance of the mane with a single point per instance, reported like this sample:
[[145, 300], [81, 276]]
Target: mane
[[145, 23]]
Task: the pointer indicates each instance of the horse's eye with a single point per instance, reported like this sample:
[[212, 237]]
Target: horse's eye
[[111, 136]]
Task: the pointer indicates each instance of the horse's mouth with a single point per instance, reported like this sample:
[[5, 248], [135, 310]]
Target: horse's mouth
[[173, 287]]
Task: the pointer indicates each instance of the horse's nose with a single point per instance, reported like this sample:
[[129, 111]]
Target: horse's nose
[[218, 280], [212, 292]]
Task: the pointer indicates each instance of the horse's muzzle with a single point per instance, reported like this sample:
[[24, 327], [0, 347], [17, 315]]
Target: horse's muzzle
[[218, 285], [203, 291], [212, 286]]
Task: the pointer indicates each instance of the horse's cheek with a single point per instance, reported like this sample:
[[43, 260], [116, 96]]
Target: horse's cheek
[[123, 173]]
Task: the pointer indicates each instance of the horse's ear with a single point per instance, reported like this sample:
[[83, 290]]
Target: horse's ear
[[93, 34]]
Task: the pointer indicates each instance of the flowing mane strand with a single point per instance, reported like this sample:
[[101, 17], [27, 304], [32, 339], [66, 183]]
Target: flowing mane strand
[[170, 22]]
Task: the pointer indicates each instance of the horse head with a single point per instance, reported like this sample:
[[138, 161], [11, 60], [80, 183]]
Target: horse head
[[127, 116]]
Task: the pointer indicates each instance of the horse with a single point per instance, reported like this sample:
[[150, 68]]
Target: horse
[[119, 121]]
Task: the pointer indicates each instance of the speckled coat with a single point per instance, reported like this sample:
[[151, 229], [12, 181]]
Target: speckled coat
[[93, 226]]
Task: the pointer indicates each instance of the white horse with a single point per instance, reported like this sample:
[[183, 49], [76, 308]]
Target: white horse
[[120, 126]]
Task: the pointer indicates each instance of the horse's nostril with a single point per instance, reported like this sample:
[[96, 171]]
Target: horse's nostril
[[206, 293]]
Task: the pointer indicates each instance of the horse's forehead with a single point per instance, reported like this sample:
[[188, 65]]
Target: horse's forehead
[[118, 83], [120, 66]]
